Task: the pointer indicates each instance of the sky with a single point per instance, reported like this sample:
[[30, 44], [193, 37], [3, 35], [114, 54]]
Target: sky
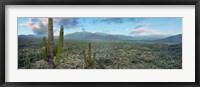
[[116, 26]]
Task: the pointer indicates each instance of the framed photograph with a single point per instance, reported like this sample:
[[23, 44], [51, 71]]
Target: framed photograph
[[146, 43]]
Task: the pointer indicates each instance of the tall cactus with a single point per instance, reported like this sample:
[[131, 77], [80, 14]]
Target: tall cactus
[[51, 64], [60, 46], [45, 50], [89, 61]]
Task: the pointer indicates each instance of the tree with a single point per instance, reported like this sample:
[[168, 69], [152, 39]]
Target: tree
[[60, 46]]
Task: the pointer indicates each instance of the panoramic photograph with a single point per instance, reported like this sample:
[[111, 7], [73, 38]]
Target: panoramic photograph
[[99, 42]]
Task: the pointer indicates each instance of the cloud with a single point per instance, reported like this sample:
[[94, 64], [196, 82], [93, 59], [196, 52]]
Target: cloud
[[113, 20], [56, 31], [37, 25], [119, 20], [96, 20], [74, 22], [67, 22], [106, 31], [143, 30], [83, 29]]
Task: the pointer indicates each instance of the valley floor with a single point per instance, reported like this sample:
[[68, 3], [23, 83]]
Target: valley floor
[[109, 55]]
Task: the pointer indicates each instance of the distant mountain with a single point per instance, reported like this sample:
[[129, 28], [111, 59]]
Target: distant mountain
[[90, 36], [144, 37], [30, 36], [34, 37], [103, 36], [100, 36], [171, 39]]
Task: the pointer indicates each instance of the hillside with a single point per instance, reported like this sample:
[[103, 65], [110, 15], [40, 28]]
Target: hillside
[[171, 39]]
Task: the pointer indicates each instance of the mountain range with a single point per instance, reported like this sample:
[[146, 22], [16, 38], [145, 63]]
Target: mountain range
[[103, 36], [171, 39]]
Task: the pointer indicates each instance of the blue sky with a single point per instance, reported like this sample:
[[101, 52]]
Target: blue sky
[[120, 26]]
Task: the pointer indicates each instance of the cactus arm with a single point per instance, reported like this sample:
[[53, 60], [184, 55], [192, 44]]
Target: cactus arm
[[45, 53], [85, 58], [90, 52], [94, 59]]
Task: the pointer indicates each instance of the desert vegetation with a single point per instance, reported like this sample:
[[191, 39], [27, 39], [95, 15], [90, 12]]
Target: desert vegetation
[[109, 55], [51, 52]]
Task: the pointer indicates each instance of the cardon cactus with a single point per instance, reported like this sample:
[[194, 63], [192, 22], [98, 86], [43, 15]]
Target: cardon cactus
[[88, 60], [51, 64], [60, 46], [45, 50]]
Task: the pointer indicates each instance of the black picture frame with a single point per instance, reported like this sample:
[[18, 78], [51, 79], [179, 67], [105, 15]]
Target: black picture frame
[[99, 2]]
